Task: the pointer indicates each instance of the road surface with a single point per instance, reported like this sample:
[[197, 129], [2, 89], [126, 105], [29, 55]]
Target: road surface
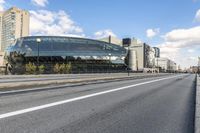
[[152, 105]]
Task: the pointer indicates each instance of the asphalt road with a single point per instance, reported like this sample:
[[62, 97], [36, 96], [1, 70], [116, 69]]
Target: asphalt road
[[153, 105]]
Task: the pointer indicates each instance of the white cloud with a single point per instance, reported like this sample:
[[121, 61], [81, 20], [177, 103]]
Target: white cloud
[[44, 22], [104, 33], [181, 38], [2, 4], [41, 3], [191, 50], [197, 16], [152, 32], [181, 44], [195, 0]]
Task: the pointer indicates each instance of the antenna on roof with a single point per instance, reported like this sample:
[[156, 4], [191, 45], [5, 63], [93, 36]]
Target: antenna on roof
[[109, 39]]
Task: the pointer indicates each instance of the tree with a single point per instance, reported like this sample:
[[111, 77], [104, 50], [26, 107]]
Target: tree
[[16, 61]]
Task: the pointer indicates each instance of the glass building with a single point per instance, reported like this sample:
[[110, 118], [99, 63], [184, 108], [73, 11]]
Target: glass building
[[90, 55]]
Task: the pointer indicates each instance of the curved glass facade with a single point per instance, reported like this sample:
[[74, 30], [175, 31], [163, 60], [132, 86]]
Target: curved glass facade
[[83, 55], [68, 46]]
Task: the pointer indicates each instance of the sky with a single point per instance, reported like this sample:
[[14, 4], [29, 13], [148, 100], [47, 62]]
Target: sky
[[171, 25]]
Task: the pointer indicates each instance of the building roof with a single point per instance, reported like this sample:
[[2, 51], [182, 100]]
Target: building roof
[[65, 46]]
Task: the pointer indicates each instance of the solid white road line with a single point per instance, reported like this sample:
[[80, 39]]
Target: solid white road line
[[23, 111]]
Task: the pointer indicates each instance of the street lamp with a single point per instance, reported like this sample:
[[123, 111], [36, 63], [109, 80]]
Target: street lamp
[[109, 62], [38, 40]]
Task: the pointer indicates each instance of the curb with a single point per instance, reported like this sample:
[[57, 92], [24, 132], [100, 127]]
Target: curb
[[197, 106]]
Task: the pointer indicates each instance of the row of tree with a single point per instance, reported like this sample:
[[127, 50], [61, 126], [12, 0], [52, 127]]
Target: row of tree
[[31, 68]]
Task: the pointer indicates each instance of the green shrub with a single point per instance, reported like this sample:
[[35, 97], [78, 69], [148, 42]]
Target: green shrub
[[30, 68], [41, 69], [62, 68], [56, 68], [68, 67]]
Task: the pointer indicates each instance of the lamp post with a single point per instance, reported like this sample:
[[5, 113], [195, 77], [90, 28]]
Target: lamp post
[[128, 60], [109, 61], [38, 40]]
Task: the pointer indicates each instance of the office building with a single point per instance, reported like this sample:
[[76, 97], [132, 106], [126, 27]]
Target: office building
[[166, 65], [194, 69], [157, 52], [112, 39], [141, 56], [14, 23], [85, 55]]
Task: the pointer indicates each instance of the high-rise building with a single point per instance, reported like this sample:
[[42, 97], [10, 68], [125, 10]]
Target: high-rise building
[[157, 52], [1, 17], [14, 23]]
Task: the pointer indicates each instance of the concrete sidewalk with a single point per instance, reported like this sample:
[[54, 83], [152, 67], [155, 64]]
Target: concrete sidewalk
[[2, 77], [35, 84], [197, 111]]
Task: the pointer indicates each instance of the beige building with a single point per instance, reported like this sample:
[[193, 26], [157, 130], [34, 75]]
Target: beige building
[[1, 59], [166, 64], [14, 23], [112, 39], [141, 56], [1, 28]]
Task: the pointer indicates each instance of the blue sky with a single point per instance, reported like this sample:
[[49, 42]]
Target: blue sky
[[169, 23]]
